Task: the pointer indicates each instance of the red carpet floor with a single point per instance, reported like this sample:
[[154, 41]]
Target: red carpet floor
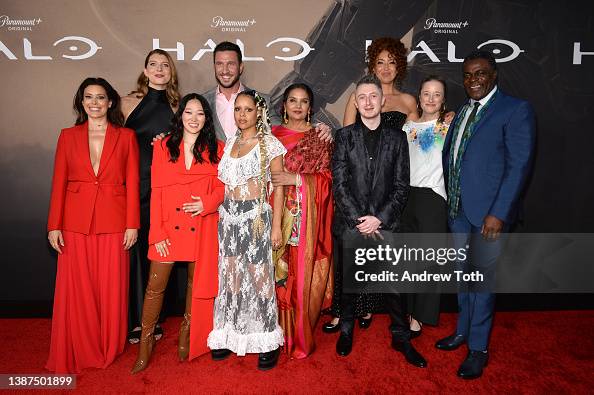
[[531, 352]]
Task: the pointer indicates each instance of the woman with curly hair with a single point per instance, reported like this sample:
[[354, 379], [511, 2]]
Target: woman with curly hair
[[386, 58]]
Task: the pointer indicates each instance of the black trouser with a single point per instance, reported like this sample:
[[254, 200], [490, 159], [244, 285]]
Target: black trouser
[[425, 212], [394, 306], [393, 303]]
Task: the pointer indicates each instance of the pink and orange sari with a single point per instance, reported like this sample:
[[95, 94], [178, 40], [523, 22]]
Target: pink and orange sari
[[303, 266]]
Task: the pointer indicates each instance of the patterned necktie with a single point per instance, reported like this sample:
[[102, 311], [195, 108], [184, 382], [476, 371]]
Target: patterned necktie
[[454, 171]]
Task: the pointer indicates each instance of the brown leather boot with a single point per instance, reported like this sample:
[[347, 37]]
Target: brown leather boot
[[183, 343], [153, 300]]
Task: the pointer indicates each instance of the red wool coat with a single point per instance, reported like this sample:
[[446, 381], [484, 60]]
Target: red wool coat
[[192, 239]]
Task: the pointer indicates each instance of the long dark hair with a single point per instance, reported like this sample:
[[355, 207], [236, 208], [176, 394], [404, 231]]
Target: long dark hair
[[206, 140], [443, 110], [114, 112]]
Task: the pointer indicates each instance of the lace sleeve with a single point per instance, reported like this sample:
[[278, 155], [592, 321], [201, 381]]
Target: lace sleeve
[[229, 144], [274, 148]]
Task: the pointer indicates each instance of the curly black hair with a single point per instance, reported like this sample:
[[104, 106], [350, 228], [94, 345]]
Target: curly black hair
[[395, 48]]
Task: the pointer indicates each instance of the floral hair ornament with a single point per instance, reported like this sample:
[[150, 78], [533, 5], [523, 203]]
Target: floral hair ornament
[[263, 122]]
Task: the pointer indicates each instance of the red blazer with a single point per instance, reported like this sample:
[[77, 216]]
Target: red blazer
[[191, 238], [111, 198], [172, 186]]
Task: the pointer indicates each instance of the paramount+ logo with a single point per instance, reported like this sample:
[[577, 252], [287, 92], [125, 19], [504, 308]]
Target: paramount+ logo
[[9, 24], [439, 27], [228, 25]]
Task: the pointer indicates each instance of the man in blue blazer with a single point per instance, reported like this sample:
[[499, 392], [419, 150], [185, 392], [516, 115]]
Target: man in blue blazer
[[486, 160]]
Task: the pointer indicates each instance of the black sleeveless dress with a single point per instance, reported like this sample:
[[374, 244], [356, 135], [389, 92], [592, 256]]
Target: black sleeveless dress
[[151, 117], [365, 302], [393, 119]]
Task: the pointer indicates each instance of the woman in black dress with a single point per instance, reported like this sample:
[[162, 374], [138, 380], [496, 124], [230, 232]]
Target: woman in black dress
[[148, 111]]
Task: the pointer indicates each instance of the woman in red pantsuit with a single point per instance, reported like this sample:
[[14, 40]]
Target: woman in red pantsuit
[[185, 197], [93, 221]]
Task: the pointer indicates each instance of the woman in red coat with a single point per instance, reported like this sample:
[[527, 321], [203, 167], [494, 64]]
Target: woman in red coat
[[93, 222], [185, 197]]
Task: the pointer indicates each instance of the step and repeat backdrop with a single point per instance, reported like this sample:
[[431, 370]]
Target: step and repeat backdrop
[[544, 49]]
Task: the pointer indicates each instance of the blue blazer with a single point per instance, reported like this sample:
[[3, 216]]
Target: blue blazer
[[497, 159]]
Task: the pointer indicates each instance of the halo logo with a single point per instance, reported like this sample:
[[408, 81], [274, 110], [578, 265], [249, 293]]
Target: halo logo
[[210, 45], [74, 48]]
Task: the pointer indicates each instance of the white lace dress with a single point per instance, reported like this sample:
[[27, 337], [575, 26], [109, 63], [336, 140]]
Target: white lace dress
[[245, 310]]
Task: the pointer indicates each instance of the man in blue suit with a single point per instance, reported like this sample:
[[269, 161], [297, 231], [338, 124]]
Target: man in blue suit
[[486, 161]]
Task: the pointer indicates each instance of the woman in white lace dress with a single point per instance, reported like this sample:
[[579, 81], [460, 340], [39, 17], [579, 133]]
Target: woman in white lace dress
[[245, 312]]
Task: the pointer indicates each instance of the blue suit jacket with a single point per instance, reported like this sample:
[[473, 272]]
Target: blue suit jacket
[[497, 159]]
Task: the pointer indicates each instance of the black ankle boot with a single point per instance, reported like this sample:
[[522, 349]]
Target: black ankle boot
[[220, 354], [268, 360]]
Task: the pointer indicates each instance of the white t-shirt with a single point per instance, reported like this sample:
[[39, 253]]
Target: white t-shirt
[[425, 144]]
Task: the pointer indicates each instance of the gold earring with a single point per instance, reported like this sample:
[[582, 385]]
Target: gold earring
[[308, 117], [285, 119]]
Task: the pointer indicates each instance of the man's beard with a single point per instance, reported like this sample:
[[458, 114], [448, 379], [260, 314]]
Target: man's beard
[[230, 84]]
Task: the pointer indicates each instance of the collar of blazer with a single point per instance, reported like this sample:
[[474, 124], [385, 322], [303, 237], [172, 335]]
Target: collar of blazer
[[497, 99], [82, 142], [486, 113]]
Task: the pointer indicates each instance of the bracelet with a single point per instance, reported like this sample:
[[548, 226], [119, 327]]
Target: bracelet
[[298, 182]]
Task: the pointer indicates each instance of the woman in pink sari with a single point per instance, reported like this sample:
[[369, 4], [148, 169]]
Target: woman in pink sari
[[303, 261]]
